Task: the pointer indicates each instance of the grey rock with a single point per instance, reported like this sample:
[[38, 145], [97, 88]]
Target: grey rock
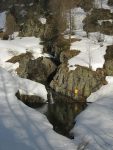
[[108, 65], [83, 79]]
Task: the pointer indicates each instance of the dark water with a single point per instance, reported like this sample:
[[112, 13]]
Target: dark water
[[61, 112]]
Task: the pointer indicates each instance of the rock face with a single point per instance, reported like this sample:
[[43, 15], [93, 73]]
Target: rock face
[[23, 60], [30, 100], [108, 66], [91, 21], [82, 79], [66, 55], [40, 69], [32, 27]]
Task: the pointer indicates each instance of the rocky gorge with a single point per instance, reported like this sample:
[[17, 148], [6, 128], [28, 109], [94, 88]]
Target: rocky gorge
[[63, 85], [60, 78]]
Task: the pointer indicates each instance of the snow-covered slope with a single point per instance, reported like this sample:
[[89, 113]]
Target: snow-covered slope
[[10, 48], [91, 47], [94, 126], [22, 128], [90, 50], [29, 87]]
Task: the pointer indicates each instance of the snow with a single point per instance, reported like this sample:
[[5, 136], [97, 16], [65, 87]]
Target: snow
[[94, 126], [10, 48], [2, 20], [104, 91], [103, 4], [109, 79], [79, 15], [22, 127], [42, 20], [28, 87], [10, 67], [90, 49], [101, 21]]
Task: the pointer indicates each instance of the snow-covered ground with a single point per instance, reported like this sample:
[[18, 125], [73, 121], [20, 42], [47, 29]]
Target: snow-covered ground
[[79, 15], [22, 127], [90, 49], [94, 126], [29, 87], [10, 48]]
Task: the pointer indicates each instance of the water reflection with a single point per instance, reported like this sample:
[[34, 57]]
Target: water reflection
[[60, 111], [62, 115]]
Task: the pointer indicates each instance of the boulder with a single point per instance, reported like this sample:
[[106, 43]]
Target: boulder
[[108, 65], [82, 79], [40, 69], [31, 100], [66, 55], [23, 60]]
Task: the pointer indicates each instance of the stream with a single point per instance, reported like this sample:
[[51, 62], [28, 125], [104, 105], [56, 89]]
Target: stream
[[61, 115], [60, 111]]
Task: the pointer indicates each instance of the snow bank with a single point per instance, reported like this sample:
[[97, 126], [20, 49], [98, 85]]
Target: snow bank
[[94, 126], [22, 127], [11, 48], [29, 87], [109, 79], [18, 46], [106, 90]]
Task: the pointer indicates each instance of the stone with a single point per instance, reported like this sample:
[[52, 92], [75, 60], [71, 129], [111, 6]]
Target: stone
[[83, 79], [41, 69], [108, 65], [66, 55]]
